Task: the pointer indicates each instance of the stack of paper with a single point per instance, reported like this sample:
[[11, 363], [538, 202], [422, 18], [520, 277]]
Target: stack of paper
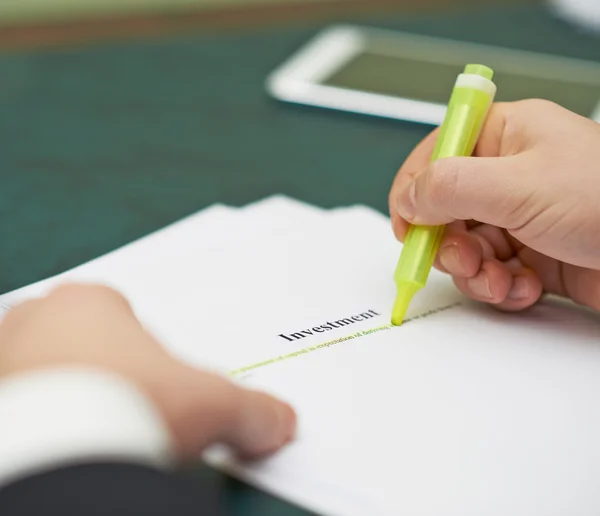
[[461, 410]]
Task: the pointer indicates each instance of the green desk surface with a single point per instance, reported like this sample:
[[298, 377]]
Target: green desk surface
[[101, 145]]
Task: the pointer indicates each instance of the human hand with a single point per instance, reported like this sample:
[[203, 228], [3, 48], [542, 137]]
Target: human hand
[[94, 326], [523, 214]]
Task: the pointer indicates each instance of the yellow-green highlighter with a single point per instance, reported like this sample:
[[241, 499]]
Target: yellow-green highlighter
[[470, 102]]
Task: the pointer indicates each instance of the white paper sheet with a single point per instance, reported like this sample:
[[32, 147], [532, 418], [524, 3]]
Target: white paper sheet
[[462, 410]]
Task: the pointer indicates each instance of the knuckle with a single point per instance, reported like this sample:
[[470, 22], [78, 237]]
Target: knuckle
[[537, 105]]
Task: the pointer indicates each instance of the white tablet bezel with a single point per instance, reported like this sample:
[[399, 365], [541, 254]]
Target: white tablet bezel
[[298, 79]]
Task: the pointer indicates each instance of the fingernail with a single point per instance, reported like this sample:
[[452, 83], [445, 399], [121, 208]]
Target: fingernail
[[520, 288], [406, 202], [480, 286], [450, 260]]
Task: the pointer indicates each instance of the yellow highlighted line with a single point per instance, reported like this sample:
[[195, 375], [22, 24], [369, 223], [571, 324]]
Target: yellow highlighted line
[[327, 344]]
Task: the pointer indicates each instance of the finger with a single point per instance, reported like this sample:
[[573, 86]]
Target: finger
[[502, 136], [399, 227], [460, 254], [490, 285], [472, 249], [491, 142], [526, 288], [486, 247], [489, 190], [582, 285], [207, 409], [489, 145], [100, 295], [417, 159], [73, 294], [497, 239], [577, 283], [415, 162]]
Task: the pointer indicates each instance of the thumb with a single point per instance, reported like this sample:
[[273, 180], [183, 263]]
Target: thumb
[[488, 190], [203, 409]]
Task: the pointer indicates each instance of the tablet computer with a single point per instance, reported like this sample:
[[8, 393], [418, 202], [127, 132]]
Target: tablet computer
[[409, 77]]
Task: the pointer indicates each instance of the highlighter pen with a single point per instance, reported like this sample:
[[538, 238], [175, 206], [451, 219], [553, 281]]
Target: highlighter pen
[[470, 102]]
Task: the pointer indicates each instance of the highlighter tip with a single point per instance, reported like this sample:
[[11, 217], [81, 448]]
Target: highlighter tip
[[398, 313], [397, 321], [406, 291]]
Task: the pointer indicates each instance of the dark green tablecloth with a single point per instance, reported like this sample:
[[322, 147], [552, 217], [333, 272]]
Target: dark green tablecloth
[[101, 145]]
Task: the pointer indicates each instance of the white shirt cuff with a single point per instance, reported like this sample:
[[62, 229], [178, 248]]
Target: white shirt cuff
[[60, 417]]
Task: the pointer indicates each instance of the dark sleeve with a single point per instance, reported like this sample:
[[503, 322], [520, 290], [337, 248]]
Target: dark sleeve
[[109, 490]]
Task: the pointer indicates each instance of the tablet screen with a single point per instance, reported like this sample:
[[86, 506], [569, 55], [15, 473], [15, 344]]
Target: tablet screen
[[427, 80]]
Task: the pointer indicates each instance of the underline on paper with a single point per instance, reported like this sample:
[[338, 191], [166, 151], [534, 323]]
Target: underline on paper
[[310, 349]]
